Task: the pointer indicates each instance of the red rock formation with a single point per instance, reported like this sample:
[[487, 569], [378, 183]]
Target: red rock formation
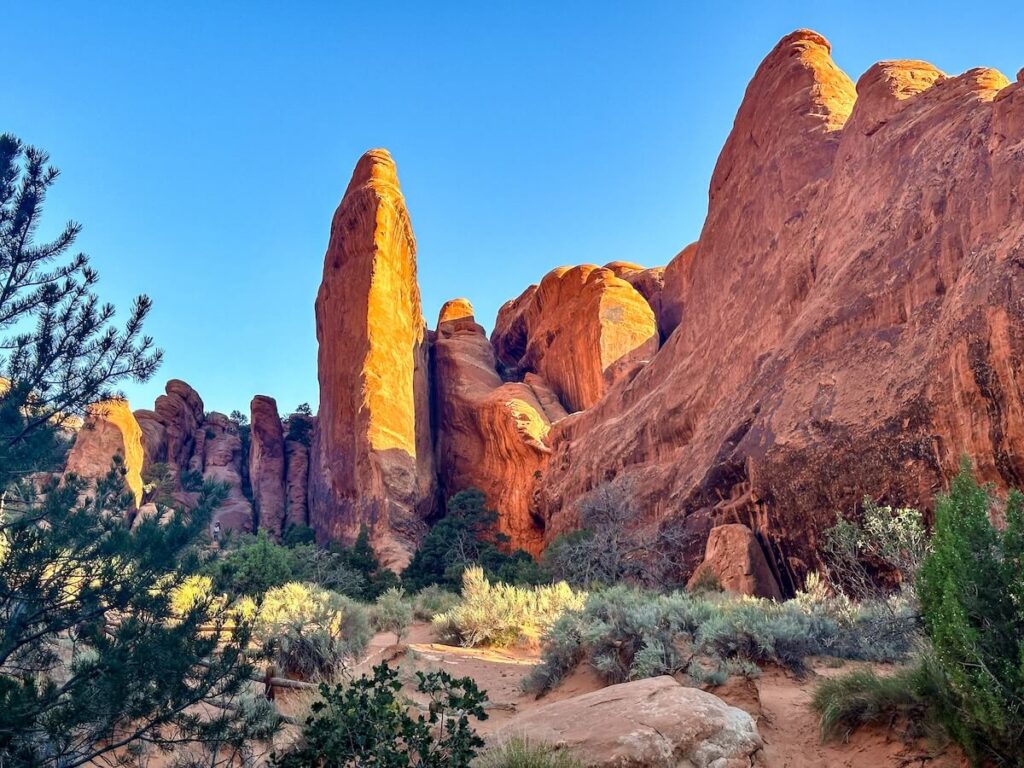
[[649, 282], [490, 434], [850, 321], [371, 461], [222, 462], [582, 329], [110, 429], [296, 454], [267, 464], [169, 431], [734, 558]]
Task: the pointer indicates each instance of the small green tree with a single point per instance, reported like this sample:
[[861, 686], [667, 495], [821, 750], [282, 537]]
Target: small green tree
[[393, 613], [256, 566], [465, 537], [367, 723], [971, 588]]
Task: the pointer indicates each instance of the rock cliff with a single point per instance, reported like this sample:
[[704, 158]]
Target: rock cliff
[[848, 322]]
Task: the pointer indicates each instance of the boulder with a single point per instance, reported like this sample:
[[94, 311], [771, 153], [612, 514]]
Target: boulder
[[644, 724], [267, 464], [490, 434], [109, 429], [582, 330], [371, 459], [734, 558]]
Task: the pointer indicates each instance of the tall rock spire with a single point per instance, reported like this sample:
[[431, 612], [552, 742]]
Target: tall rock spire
[[371, 462]]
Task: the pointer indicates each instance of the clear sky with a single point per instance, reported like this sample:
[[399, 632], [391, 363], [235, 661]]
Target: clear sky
[[204, 146]]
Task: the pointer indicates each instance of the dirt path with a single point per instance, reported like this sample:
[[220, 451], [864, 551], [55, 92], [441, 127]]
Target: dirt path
[[777, 700]]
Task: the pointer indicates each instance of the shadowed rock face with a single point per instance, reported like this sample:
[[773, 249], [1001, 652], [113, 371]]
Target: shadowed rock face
[[110, 429], [849, 322], [490, 434], [735, 560], [371, 461], [267, 464]]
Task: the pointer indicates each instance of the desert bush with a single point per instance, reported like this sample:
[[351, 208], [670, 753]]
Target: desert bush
[[882, 552], [393, 613], [308, 631], [432, 600], [971, 588], [503, 614], [367, 723], [863, 697], [626, 634], [520, 752]]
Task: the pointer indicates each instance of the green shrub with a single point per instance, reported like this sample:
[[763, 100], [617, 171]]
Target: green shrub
[[367, 723], [393, 613], [863, 697], [520, 752], [308, 631], [465, 537], [255, 566], [628, 634], [297, 534], [432, 600], [503, 614], [971, 589]]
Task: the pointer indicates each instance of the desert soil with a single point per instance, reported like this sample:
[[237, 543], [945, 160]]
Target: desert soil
[[778, 700]]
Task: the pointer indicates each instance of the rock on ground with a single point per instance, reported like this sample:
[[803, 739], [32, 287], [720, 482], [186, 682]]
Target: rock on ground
[[644, 724]]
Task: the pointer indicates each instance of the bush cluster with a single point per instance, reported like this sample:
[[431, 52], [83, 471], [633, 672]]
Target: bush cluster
[[309, 632], [627, 634], [503, 614]]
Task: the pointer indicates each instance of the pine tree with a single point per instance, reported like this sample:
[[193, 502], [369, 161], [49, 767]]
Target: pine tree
[[971, 589], [59, 351]]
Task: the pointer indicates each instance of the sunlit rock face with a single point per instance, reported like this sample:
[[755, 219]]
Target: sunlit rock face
[[490, 434], [582, 329], [371, 461], [109, 429], [849, 322], [267, 464]]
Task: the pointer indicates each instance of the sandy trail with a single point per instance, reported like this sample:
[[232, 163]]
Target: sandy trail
[[779, 702]]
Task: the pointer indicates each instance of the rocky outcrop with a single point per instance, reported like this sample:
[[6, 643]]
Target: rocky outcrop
[[222, 461], [735, 560], [651, 722], [371, 460], [267, 464], [582, 330], [170, 429], [848, 322], [109, 429], [490, 434], [296, 483]]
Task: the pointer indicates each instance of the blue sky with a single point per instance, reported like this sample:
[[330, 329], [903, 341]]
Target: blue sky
[[204, 146]]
